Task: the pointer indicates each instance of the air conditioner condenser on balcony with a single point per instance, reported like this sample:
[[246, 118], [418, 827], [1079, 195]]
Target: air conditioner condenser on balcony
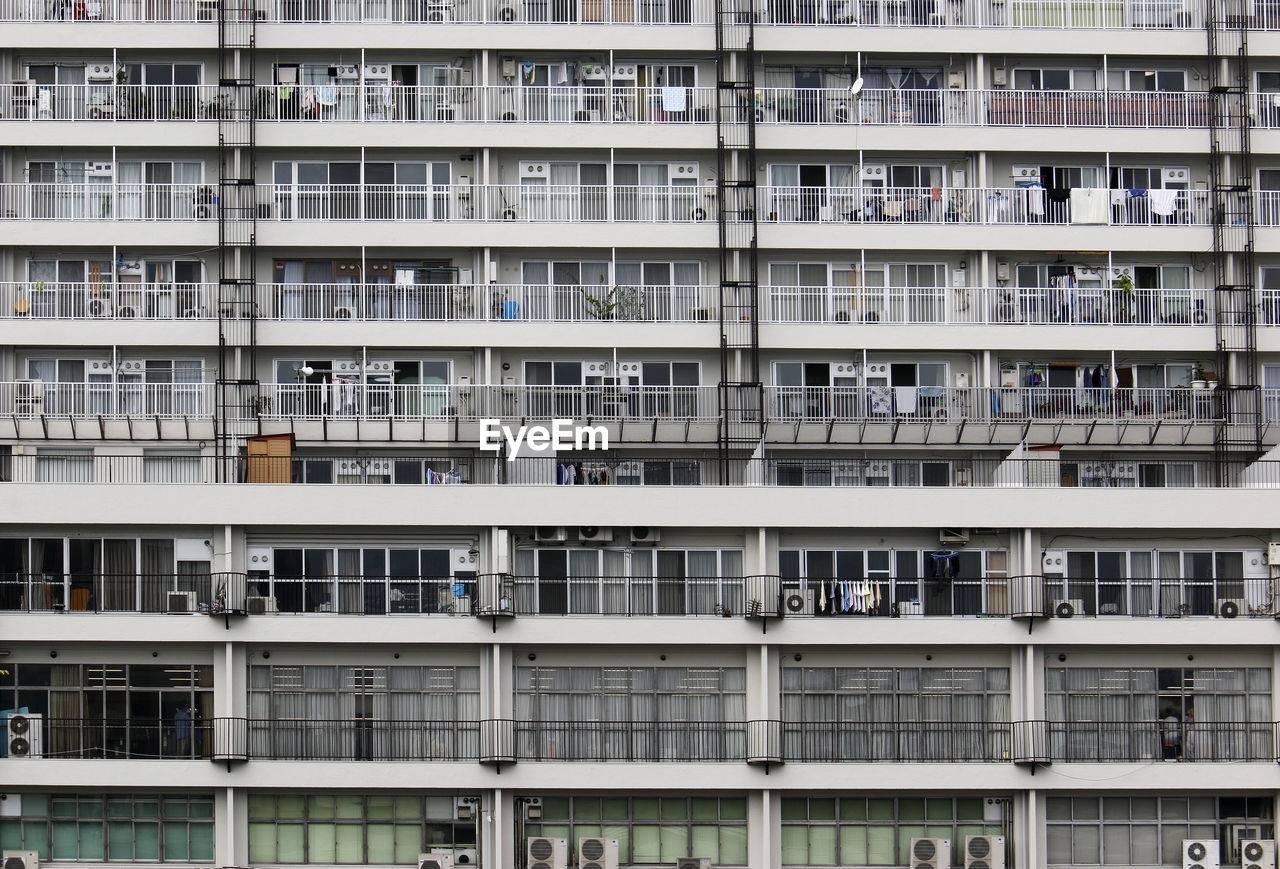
[[546, 853], [1200, 854], [180, 602], [24, 737]]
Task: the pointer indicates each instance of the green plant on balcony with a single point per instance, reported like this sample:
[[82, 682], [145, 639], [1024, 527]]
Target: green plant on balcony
[[1124, 296], [616, 303]]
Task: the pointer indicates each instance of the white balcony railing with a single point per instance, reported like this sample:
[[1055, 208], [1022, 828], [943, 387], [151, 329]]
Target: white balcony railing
[[592, 102], [104, 101], [985, 205], [107, 201], [359, 399], [34, 398], [564, 203], [503, 302], [1003, 107], [1023, 14], [988, 305], [57, 300], [952, 404]]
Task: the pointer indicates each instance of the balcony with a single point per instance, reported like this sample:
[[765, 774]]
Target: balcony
[[119, 593], [179, 737], [58, 201], [1023, 306], [588, 103], [1186, 741], [976, 107], [611, 469], [510, 303], [106, 300], [1020, 14], [107, 400], [691, 204], [989, 206], [525, 303]]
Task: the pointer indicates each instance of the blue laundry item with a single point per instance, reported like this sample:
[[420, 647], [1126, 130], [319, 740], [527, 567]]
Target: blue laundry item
[[1137, 191]]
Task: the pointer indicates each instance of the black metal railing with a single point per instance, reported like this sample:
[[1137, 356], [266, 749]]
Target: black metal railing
[[124, 592], [1161, 597], [1171, 739], [644, 741], [181, 736], [362, 739], [895, 741]]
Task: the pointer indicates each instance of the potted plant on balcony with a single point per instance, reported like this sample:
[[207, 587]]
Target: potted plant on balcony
[[1198, 379], [1124, 295]]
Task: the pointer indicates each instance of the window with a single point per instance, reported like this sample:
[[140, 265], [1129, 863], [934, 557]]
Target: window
[[1144, 830], [166, 466], [925, 582], [364, 580], [856, 831], [347, 828], [64, 465], [364, 713], [812, 292], [112, 575], [412, 388], [652, 830], [1055, 79], [659, 291], [1147, 583], [351, 191], [564, 290], [1148, 713], [1157, 80], [115, 710], [641, 582], [811, 192], [113, 827], [660, 713], [911, 714]]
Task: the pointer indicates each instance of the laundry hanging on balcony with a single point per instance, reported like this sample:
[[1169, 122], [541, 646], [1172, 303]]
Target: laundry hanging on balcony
[[1089, 205]]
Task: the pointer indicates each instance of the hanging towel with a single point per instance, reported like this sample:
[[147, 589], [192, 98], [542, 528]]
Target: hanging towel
[[881, 400], [675, 99], [1163, 201], [309, 100], [822, 597], [1089, 205], [1117, 197], [1035, 201], [388, 96], [328, 95], [904, 398]]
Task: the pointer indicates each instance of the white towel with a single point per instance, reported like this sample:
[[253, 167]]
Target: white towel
[[1035, 201], [674, 99], [1163, 201], [904, 399], [1118, 196], [1089, 205]]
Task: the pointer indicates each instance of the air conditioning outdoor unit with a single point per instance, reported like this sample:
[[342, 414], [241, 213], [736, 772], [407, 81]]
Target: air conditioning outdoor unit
[[984, 852], [343, 312], [930, 853], [180, 602], [99, 308], [597, 853], [594, 534], [1065, 609], [99, 72], [1230, 607], [643, 534], [953, 535], [550, 534], [1200, 854], [10, 805], [798, 602], [464, 857], [260, 605], [1025, 174], [693, 863], [534, 169], [435, 860], [547, 853], [23, 738], [1257, 854], [348, 73], [21, 860]]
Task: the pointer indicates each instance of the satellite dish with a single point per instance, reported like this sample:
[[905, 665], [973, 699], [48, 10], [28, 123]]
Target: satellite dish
[[856, 87]]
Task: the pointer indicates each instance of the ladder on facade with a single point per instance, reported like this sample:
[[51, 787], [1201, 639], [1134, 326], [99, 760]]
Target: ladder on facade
[[237, 210], [740, 394], [1238, 398]]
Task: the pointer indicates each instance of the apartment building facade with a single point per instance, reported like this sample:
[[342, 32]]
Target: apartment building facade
[[936, 347]]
